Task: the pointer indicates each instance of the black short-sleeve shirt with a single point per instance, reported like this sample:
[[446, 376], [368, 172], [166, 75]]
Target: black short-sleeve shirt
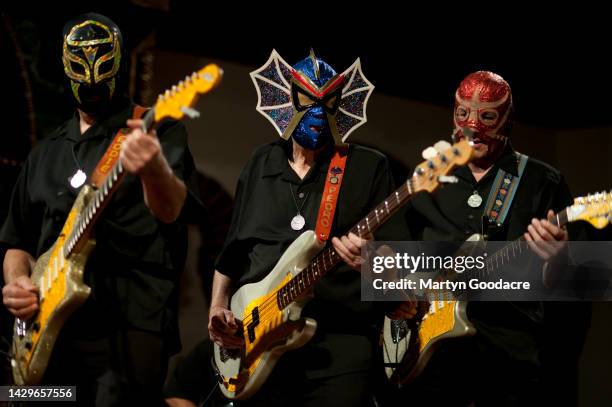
[[260, 232], [446, 216], [137, 260]]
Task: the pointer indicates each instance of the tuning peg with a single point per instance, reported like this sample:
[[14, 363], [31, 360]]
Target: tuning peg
[[190, 112], [441, 146], [429, 153]]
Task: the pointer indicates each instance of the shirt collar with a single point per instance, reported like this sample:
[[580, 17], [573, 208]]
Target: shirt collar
[[104, 127], [277, 163], [507, 162]]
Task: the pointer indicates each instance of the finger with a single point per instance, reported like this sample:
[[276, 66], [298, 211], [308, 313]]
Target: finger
[[356, 240], [341, 250], [230, 319], [535, 247], [147, 142], [534, 234], [16, 291], [26, 284], [24, 313], [350, 246], [19, 303], [550, 215], [135, 123], [555, 231], [537, 224], [218, 324], [231, 341], [131, 161]]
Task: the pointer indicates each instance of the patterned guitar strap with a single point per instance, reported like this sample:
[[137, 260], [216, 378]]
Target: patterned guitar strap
[[329, 200], [502, 193]]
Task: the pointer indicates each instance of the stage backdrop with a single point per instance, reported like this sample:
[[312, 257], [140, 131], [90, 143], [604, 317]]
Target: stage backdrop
[[229, 129]]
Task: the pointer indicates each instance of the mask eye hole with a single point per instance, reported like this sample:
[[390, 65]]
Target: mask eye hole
[[462, 113], [106, 67], [304, 100], [77, 68], [489, 117]]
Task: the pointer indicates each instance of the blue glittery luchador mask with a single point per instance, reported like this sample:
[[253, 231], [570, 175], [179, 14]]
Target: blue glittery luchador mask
[[310, 101]]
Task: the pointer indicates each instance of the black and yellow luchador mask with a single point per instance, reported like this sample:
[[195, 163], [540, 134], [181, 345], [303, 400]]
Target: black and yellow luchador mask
[[92, 57]]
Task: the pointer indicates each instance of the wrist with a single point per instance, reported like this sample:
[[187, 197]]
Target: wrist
[[157, 169], [218, 306]]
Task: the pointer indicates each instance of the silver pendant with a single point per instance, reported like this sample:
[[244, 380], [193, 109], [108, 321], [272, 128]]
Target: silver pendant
[[78, 179], [474, 200], [298, 222]]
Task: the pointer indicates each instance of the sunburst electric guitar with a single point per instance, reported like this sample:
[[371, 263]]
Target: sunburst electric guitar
[[409, 344], [269, 311], [58, 273]]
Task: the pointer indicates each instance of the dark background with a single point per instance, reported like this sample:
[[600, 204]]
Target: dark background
[[556, 61]]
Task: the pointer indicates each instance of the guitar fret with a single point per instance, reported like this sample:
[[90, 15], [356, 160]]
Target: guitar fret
[[408, 186]]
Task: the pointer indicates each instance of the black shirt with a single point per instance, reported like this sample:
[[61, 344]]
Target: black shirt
[[446, 216], [260, 232], [137, 260]]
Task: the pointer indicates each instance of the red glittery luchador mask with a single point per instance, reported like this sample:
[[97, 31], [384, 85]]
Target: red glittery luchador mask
[[483, 103]]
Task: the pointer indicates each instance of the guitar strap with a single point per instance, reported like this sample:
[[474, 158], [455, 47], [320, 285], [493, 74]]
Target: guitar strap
[[503, 191], [329, 200], [111, 155]]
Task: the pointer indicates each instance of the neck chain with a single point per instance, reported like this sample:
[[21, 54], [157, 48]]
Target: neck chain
[[298, 221]]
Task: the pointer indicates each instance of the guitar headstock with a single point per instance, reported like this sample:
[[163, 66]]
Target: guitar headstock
[[178, 101], [441, 161], [593, 208]]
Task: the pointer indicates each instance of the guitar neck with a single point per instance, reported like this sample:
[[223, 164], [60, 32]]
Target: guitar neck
[[101, 197], [508, 253], [514, 249], [328, 258]]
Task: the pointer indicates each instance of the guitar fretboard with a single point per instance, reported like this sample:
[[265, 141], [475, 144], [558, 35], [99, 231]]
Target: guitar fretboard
[[502, 257], [100, 197], [328, 258]]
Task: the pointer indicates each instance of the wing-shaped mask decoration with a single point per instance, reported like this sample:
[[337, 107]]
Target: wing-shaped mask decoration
[[273, 82]]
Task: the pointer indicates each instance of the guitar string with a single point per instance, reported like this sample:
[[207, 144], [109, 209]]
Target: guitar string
[[271, 300], [263, 309], [267, 310]]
